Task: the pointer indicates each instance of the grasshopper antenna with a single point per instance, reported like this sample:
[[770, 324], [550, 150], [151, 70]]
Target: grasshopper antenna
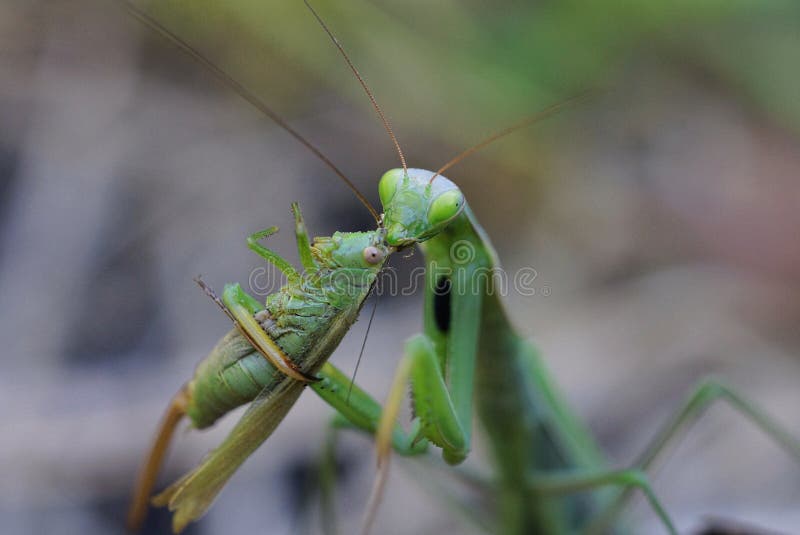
[[227, 80], [363, 345], [367, 90], [535, 118]]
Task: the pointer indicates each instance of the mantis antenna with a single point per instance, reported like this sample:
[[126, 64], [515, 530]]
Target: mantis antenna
[[367, 90], [535, 118], [248, 96]]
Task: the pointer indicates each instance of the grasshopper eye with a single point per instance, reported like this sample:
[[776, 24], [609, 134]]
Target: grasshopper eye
[[445, 206], [388, 185], [373, 255]]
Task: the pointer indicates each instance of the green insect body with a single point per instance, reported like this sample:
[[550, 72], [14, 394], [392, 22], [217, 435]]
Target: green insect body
[[326, 300], [530, 427], [233, 374], [551, 477], [305, 321]]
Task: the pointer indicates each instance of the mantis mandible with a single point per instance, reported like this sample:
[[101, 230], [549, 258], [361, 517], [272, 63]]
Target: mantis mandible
[[469, 356]]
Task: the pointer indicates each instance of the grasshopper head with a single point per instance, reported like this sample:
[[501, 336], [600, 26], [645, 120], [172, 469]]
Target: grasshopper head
[[356, 250], [416, 209]]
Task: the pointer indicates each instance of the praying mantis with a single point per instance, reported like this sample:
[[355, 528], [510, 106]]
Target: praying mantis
[[550, 475]]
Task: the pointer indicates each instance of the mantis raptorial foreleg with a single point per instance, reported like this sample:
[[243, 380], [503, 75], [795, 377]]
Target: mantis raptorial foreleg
[[440, 368], [360, 411], [432, 402]]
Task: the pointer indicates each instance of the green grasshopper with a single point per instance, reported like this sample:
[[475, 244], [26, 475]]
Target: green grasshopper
[[551, 477], [273, 351]]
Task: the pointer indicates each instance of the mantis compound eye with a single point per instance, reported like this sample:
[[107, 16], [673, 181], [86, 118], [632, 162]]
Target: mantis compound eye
[[373, 255], [388, 185], [445, 206]]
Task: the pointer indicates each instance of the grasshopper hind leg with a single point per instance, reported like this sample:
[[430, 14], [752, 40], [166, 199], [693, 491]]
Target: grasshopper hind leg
[[146, 479]]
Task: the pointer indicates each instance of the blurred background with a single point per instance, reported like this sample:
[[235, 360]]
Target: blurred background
[[661, 216]]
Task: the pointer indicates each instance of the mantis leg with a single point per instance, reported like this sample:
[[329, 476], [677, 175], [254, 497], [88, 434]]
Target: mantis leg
[[428, 471], [573, 482], [432, 403], [360, 411], [465, 300], [437, 419], [327, 479], [709, 391], [443, 406]]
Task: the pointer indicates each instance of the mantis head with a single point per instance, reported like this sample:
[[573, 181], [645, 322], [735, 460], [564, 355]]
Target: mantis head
[[416, 209]]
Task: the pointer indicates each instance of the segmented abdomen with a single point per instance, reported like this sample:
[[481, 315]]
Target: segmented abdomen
[[233, 374]]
